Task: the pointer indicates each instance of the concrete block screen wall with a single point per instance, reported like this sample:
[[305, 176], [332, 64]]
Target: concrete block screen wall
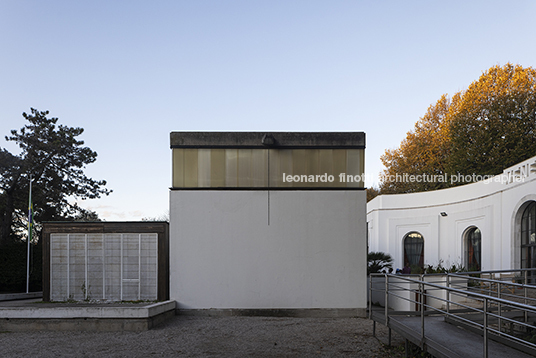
[[268, 221], [105, 261]]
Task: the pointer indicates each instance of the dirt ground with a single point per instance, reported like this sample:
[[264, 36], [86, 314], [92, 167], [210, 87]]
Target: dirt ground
[[186, 336]]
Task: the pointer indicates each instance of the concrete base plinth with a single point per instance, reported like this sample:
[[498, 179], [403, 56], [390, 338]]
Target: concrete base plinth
[[305, 313], [96, 317]]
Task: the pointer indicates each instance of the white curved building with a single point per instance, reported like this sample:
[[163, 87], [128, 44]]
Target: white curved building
[[487, 225]]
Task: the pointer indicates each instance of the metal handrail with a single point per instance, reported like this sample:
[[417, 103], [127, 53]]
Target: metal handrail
[[487, 301], [495, 271], [462, 292]]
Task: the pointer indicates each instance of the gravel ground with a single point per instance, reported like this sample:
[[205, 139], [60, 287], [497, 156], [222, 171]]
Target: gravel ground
[[186, 336]]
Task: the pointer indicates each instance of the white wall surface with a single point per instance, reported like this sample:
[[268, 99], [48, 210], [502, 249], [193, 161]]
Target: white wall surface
[[491, 206], [268, 249]]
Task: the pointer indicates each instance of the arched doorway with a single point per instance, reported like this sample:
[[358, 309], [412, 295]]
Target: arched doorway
[[414, 251], [528, 238], [473, 249]]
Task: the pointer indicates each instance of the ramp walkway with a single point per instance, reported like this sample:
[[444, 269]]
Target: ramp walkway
[[457, 315], [444, 339]]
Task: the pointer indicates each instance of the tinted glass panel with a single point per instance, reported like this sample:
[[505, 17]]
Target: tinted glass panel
[[257, 168], [474, 249], [528, 237], [414, 251]]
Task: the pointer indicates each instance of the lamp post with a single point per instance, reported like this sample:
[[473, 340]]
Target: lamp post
[[30, 229]]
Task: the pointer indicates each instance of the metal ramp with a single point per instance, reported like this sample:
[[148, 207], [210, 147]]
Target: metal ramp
[[444, 339], [457, 315]]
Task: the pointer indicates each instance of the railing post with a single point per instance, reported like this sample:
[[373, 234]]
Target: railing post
[[526, 317], [370, 296], [499, 304], [448, 293], [421, 289], [485, 328], [386, 300]]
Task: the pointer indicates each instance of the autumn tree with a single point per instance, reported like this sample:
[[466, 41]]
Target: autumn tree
[[423, 152], [56, 159], [372, 192], [495, 124], [482, 130]]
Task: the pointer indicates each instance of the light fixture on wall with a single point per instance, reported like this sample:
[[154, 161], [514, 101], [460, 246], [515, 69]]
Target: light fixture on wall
[[443, 213], [268, 140]]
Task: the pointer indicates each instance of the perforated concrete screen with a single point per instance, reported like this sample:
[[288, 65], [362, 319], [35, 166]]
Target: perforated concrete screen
[[111, 261], [115, 267]]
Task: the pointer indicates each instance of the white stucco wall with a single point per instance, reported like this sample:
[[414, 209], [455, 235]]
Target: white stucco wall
[[492, 206], [268, 249]]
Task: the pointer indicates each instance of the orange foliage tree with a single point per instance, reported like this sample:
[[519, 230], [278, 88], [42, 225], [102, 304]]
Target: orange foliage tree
[[482, 130], [495, 124]]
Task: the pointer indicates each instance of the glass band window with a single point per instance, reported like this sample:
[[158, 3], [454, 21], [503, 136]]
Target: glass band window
[[268, 168]]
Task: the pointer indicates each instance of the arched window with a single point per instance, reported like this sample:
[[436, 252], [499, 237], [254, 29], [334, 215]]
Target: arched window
[[473, 249], [528, 236], [414, 250]]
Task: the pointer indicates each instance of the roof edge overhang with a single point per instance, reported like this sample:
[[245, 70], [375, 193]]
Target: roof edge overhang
[[275, 140]]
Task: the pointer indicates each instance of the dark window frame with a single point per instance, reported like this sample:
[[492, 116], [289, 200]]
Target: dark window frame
[[528, 236], [473, 249], [412, 241]]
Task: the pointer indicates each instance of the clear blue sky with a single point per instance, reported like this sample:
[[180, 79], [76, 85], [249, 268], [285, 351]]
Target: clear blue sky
[[130, 72]]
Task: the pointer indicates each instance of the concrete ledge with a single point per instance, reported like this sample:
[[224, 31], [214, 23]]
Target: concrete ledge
[[92, 311], [277, 139], [20, 296], [277, 312], [86, 318]]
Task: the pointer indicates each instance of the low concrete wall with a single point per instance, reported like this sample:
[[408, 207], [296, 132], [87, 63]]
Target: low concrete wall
[[88, 318], [20, 296]]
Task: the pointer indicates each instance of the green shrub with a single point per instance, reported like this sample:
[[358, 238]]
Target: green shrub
[[439, 268], [379, 262]]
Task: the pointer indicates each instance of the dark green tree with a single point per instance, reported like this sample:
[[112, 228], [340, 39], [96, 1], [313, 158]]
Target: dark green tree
[[161, 217], [56, 159], [86, 216]]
